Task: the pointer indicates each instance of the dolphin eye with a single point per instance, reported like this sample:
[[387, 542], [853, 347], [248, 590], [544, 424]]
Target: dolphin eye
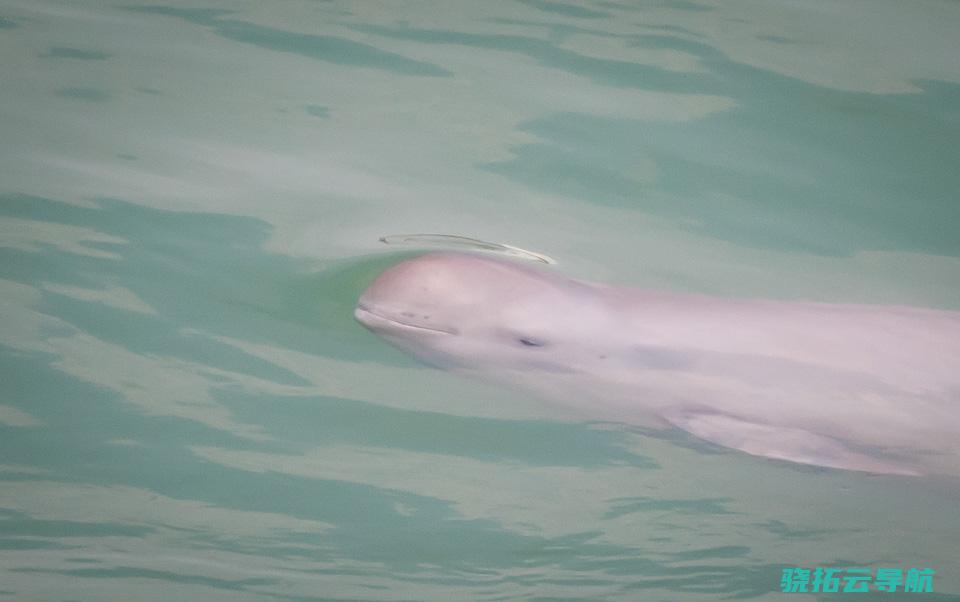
[[529, 342]]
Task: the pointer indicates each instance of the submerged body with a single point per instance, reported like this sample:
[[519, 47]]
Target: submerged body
[[871, 388]]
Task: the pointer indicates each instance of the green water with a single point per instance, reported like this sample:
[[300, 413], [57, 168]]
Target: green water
[[191, 200]]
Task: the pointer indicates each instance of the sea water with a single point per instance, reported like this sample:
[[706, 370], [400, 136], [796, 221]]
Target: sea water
[[192, 197]]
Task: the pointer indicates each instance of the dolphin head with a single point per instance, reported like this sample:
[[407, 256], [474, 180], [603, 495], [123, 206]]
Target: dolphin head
[[461, 310]]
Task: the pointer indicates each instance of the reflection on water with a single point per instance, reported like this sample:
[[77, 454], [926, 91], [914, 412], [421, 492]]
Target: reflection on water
[[191, 201]]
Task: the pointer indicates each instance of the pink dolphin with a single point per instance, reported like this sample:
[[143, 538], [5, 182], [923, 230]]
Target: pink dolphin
[[857, 387]]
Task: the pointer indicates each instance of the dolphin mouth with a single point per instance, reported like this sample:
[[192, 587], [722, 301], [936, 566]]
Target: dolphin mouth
[[373, 320]]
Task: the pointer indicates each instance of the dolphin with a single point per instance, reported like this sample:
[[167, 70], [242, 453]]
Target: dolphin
[[870, 388]]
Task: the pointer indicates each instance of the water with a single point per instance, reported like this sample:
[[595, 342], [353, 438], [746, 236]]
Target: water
[[191, 200]]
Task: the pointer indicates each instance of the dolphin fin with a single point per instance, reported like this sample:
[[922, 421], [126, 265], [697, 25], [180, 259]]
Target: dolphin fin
[[782, 443]]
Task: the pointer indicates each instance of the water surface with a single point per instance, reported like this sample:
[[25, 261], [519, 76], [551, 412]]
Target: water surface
[[191, 200]]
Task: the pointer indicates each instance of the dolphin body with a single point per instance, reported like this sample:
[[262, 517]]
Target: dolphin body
[[856, 387]]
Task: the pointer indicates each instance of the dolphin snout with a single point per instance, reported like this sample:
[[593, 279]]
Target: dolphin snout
[[381, 321], [401, 301]]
